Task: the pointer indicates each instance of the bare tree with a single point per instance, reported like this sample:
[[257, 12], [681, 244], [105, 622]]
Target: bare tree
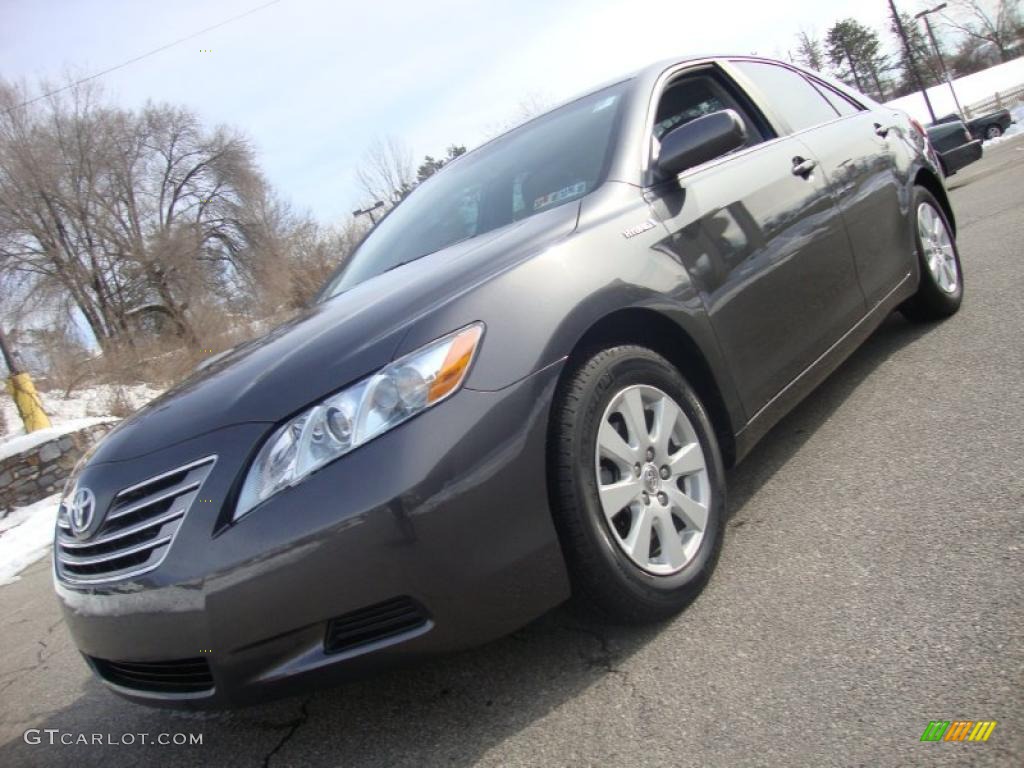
[[387, 171], [998, 22], [528, 107], [47, 170], [300, 255], [126, 214]]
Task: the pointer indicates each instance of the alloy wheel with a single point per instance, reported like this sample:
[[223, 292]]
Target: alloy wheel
[[939, 254], [652, 479]]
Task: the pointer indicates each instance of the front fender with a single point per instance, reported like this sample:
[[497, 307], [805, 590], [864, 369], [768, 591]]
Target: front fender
[[538, 311]]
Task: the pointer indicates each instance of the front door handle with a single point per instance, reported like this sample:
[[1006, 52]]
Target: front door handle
[[803, 167], [881, 130]]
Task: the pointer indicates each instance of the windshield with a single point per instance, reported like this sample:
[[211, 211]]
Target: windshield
[[557, 158]]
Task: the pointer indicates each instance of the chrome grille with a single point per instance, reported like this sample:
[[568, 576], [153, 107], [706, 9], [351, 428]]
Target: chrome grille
[[136, 532]]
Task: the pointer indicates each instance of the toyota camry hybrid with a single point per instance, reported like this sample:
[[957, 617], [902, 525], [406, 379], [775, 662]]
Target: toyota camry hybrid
[[526, 383]]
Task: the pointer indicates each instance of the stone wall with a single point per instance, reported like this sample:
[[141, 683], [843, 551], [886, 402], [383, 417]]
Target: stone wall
[[40, 471]]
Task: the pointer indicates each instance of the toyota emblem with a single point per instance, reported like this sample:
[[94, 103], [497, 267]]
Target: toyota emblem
[[83, 506]]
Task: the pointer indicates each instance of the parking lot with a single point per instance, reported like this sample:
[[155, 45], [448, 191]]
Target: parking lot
[[870, 582]]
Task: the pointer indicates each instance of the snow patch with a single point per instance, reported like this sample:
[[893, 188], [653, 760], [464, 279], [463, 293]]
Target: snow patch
[[88, 402], [26, 534], [23, 442], [970, 89]]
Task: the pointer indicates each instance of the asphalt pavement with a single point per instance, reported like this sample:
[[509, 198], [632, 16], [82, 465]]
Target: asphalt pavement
[[871, 582]]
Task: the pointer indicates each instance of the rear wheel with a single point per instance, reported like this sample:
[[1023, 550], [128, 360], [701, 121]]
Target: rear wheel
[[993, 132], [941, 289], [638, 485]]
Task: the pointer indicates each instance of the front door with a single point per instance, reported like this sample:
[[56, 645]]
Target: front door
[[765, 245]]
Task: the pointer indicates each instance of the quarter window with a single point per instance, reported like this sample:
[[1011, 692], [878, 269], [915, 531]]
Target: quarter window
[[789, 93]]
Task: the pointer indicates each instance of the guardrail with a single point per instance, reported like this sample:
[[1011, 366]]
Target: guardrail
[[1001, 100]]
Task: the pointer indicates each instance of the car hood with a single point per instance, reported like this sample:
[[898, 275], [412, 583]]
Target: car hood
[[329, 345]]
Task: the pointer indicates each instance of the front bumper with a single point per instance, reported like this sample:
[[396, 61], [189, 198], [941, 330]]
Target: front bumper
[[448, 512]]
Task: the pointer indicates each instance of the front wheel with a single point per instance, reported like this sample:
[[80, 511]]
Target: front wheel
[[941, 289], [993, 132], [637, 485]]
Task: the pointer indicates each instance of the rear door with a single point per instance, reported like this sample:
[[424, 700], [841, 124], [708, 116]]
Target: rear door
[[764, 242], [857, 163]]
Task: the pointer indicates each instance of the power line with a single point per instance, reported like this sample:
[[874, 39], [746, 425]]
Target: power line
[[143, 56]]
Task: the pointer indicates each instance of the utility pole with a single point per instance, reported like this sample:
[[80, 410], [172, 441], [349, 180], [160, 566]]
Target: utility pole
[[910, 57], [938, 54], [369, 211], [12, 367], [21, 388]]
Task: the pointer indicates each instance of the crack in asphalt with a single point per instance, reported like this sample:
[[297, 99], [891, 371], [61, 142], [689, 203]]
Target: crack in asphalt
[[15, 671], [41, 658], [605, 660], [293, 726]]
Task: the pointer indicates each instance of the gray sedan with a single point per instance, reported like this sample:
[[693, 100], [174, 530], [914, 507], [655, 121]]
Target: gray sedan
[[525, 385]]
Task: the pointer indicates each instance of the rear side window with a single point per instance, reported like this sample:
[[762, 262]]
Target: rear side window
[[789, 93], [839, 102]]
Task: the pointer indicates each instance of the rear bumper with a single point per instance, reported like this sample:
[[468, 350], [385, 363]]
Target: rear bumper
[[959, 157], [447, 513]]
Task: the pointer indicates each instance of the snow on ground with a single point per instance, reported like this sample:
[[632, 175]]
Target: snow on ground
[[84, 403], [26, 534], [970, 89], [24, 442]]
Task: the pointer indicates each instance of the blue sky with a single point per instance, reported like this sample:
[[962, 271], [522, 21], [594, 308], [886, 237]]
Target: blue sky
[[313, 82]]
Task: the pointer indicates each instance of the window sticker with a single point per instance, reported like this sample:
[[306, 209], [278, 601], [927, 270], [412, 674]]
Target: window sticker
[[563, 194]]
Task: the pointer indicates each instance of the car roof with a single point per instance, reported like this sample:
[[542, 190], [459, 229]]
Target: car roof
[[641, 83], [645, 74]]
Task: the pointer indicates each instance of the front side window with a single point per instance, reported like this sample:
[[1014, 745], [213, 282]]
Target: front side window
[[789, 93], [696, 94], [685, 101], [550, 161]]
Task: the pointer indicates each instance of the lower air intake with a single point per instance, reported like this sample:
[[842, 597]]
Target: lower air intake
[[375, 622], [181, 676]]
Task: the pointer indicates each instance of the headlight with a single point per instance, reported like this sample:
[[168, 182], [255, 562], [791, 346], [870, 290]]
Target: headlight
[[350, 418]]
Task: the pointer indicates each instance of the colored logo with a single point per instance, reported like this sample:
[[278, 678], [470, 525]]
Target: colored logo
[[958, 730]]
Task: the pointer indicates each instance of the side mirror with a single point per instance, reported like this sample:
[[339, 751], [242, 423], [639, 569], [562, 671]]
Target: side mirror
[[700, 140]]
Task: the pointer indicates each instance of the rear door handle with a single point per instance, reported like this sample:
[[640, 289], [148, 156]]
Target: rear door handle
[[803, 167], [881, 130]]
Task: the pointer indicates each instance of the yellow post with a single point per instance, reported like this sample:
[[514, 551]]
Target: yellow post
[[27, 399]]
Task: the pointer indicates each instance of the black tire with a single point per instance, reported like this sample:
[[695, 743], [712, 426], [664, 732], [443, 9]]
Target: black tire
[[605, 581], [931, 303], [993, 132]]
